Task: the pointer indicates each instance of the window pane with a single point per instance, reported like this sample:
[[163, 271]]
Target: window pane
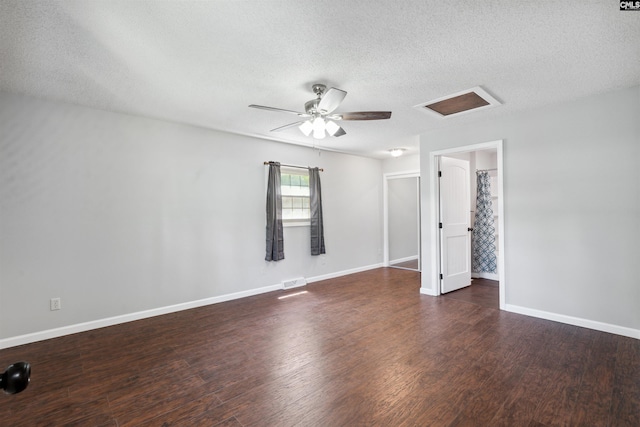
[[294, 185], [287, 214]]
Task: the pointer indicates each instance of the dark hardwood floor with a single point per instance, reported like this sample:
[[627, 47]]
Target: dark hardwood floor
[[360, 350], [482, 292]]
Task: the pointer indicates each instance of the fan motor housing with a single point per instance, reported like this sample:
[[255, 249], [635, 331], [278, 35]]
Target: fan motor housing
[[318, 89], [311, 107]]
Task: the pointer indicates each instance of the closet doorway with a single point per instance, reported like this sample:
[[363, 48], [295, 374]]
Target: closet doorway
[[486, 160], [402, 220]]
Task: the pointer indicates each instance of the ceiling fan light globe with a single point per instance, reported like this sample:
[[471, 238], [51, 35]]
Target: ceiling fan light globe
[[306, 128], [318, 134], [332, 128], [318, 128], [318, 123]]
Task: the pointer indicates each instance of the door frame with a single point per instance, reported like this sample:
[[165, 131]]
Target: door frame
[[385, 211], [434, 202]]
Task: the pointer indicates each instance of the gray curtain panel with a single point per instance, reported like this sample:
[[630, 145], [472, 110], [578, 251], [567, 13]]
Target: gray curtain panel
[[275, 240], [317, 226]]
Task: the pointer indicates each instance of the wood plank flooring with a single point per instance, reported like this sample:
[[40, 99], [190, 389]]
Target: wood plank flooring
[[483, 292], [360, 350]]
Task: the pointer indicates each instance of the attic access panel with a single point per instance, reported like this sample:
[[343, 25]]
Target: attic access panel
[[459, 103]]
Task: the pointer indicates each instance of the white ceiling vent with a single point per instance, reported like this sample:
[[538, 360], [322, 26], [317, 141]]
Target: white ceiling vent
[[473, 99]]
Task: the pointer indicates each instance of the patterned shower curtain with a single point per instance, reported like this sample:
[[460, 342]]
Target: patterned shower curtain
[[483, 235]]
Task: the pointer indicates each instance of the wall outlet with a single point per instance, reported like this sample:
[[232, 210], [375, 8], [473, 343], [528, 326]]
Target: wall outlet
[[56, 304]]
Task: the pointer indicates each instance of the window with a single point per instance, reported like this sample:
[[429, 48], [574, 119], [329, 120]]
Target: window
[[294, 185]]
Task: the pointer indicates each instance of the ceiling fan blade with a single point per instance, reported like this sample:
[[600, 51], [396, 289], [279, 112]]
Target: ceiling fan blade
[[365, 115], [262, 107], [331, 100], [339, 132], [290, 125]]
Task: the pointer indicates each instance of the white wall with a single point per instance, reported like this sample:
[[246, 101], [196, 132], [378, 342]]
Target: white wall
[[406, 163], [572, 208], [118, 214]]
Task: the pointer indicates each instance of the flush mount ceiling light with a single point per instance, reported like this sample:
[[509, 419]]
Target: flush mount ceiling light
[[396, 152], [473, 99], [319, 116]]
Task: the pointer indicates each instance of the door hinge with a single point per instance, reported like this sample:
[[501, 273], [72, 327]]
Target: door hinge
[[440, 225], [439, 174], [441, 277]]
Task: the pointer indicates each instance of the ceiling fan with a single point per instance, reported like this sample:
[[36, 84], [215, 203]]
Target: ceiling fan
[[319, 117]]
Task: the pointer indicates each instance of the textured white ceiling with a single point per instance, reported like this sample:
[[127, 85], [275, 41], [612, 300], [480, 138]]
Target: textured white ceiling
[[204, 62]]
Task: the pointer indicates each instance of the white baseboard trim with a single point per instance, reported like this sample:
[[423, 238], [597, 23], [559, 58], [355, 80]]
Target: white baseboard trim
[[115, 320], [428, 291], [576, 321], [343, 273], [405, 259], [490, 276]]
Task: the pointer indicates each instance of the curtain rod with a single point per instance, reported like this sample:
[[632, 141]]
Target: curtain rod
[[294, 166], [486, 170]]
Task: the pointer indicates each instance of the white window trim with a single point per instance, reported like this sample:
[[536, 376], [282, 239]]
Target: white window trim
[[296, 223]]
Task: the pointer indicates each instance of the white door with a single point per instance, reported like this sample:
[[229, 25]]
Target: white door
[[455, 234]]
